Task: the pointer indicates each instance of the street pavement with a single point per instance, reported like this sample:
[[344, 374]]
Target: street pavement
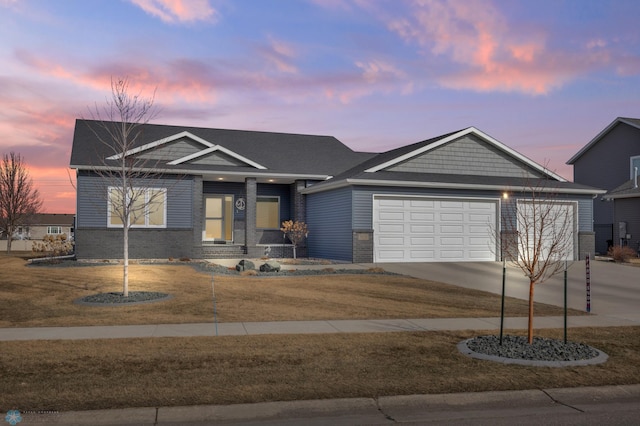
[[615, 300], [613, 405]]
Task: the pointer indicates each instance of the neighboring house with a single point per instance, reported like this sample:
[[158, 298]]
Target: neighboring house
[[609, 161], [225, 193], [43, 224], [37, 226]]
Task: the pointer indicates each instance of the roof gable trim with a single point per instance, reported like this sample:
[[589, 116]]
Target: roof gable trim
[[210, 147], [215, 148], [160, 142], [476, 132], [599, 136]]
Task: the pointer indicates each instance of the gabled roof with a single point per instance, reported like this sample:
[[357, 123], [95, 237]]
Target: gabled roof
[[245, 153], [431, 144], [380, 170], [633, 122], [208, 148]]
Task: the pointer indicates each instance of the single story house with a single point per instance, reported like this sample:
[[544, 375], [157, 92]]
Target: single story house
[[37, 226], [611, 161], [225, 193]]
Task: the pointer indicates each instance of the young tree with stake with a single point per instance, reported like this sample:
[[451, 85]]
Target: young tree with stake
[[537, 236], [125, 178]]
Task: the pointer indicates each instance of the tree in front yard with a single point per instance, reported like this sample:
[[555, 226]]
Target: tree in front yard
[[126, 178], [538, 237], [19, 200]]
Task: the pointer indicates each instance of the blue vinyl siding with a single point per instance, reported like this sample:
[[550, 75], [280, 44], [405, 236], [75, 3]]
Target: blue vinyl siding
[[92, 201], [330, 225]]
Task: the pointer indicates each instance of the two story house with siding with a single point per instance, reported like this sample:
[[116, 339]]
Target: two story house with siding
[[611, 161], [224, 194]]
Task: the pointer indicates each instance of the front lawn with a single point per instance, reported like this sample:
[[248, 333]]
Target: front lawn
[[43, 296]]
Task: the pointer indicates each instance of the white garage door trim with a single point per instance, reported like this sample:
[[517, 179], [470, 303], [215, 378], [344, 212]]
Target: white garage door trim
[[434, 229]]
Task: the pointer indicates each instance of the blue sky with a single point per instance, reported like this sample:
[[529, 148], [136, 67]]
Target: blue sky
[[542, 77]]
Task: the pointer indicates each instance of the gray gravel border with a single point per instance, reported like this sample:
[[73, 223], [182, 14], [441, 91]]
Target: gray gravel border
[[111, 299], [465, 350]]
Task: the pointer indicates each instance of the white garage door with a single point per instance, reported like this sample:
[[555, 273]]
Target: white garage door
[[433, 230]]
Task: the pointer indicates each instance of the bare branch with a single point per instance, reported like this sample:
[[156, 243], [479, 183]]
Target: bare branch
[[19, 200]]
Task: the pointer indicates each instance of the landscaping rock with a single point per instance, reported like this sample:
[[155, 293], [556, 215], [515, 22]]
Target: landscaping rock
[[245, 265], [270, 266]]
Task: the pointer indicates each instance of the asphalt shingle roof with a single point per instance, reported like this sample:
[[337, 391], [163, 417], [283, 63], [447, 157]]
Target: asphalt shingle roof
[[278, 152]]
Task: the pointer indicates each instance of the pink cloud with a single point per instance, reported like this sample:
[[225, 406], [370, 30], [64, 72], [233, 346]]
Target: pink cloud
[[279, 54], [172, 11], [485, 51]]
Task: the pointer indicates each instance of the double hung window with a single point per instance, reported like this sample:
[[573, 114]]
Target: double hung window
[[147, 208]]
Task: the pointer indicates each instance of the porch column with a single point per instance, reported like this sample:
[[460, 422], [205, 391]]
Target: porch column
[[299, 202], [251, 188]]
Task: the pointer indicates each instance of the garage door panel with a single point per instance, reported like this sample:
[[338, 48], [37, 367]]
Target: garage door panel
[[426, 204], [391, 228], [392, 241], [451, 254], [391, 202], [393, 255], [422, 241], [455, 205], [421, 216], [449, 241], [422, 255], [391, 215], [451, 229], [413, 230], [421, 229], [451, 217]]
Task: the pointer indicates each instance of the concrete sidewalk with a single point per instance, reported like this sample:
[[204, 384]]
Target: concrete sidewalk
[[301, 327]]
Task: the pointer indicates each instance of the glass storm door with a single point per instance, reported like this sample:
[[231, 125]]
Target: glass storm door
[[218, 218]]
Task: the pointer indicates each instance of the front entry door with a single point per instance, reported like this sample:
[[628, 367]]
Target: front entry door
[[218, 218]]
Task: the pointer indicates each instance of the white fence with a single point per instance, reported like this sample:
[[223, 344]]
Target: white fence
[[16, 245]]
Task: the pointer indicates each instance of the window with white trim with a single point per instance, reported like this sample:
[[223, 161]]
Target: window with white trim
[[635, 162], [268, 212], [148, 208], [54, 230]]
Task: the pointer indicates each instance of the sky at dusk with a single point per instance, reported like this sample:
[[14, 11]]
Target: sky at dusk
[[543, 77]]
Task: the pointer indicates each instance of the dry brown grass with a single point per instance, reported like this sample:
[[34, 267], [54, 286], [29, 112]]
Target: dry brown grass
[[43, 296], [80, 375]]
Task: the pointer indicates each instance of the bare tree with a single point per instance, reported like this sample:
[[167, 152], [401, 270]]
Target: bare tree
[[126, 177], [19, 200], [537, 236]]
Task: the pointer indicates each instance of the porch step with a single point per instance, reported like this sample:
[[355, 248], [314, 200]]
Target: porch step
[[223, 251]]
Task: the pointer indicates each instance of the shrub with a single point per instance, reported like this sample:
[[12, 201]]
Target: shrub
[[622, 254], [53, 246]]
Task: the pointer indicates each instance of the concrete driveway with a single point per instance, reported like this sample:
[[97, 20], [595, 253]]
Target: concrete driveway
[[615, 288]]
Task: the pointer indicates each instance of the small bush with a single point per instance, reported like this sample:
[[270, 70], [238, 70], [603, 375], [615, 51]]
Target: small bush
[[53, 246], [249, 273], [622, 254]]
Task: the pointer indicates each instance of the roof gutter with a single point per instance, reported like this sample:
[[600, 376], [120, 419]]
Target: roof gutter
[[441, 185], [264, 173]]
